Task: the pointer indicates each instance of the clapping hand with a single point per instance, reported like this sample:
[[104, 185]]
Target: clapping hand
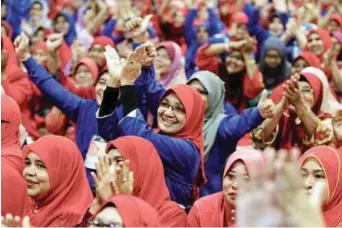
[[10, 221], [138, 26], [292, 91], [114, 65]]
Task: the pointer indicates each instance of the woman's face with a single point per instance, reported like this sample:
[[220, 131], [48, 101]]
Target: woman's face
[[62, 25], [107, 217], [202, 34], [273, 58], [38, 37], [230, 183], [97, 54], [163, 61], [83, 76], [235, 62], [299, 65], [337, 47], [40, 56], [307, 93], [312, 172], [241, 32], [100, 87], [178, 18], [37, 177], [171, 114], [276, 27], [36, 11], [196, 84], [333, 26], [315, 44]]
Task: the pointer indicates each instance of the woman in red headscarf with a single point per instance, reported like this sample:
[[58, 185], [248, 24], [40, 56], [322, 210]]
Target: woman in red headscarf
[[319, 41], [10, 121], [149, 183], [56, 182], [125, 211], [97, 49], [17, 85], [303, 60], [305, 107], [324, 164], [218, 210], [179, 139]]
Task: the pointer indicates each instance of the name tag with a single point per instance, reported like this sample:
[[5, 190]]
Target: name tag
[[96, 149]]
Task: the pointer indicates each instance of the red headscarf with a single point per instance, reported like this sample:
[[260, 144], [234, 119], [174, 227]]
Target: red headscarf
[[103, 41], [149, 182], [331, 162], [10, 121], [69, 195], [133, 211], [336, 17], [326, 39], [193, 129], [91, 64], [214, 210], [310, 58], [14, 197], [12, 59]]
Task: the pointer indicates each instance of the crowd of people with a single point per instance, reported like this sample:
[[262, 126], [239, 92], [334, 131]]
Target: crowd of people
[[171, 113]]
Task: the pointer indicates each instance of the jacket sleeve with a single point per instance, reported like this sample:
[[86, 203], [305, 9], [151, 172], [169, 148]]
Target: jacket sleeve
[[66, 101], [234, 127], [255, 29], [214, 22], [252, 87], [20, 90], [147, 84], [189, 30], [176, 153]]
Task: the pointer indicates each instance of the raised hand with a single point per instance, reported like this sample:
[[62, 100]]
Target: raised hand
[[104, 179], [138, 26], [266, 106], [124, 178], [10, 221], [250, 45], [21, 45], [132, 67], [260, 3], [292, 91], [114, 65], [54, 42]]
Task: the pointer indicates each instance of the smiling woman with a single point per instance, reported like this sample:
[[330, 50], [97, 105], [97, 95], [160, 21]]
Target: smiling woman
[[56, 181]]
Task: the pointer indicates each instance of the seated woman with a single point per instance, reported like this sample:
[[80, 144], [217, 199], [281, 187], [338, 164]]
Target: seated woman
[[125, 211], [305, 59], [146, 173], [301, 122], [243, 81], [222, 132], [324, 164], [179, 139], [218, 210], [56, 182], [168, 64], [318, 42]]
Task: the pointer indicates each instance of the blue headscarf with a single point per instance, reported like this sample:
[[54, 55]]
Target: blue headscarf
[[72, 34]]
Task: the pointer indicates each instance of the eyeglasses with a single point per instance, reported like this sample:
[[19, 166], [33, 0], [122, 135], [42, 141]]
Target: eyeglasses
[[175, 109], [99, 224], [4, 121], [306, 91]]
